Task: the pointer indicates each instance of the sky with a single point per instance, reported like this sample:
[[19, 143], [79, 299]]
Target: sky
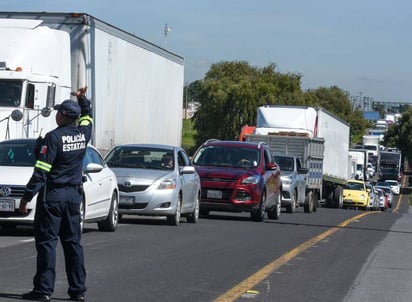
[[361, 46]]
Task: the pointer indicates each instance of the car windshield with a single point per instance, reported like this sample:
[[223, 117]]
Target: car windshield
[[392, 182], [17, 154], [354, 186], [227, 156], [285, 163], [141, 157]]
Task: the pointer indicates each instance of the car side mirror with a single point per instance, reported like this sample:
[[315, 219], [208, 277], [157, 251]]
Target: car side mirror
[[93, 168], [187, 170], [303, 171]]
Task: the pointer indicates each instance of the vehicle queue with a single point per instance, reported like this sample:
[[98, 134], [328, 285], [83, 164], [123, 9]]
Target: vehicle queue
[[161, 180]]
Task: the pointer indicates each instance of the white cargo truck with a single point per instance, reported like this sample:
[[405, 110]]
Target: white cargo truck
[[360, 160], [136, 87], [318, 138], [371, 143]]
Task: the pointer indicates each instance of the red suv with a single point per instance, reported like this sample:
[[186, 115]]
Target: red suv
[[238, 176]]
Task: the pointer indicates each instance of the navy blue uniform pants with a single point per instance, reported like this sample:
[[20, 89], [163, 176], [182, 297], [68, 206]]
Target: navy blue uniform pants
[[59, 217]]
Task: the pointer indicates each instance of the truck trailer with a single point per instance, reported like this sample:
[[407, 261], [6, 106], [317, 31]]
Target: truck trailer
[[136, 87], [390, 166], [318, 138]]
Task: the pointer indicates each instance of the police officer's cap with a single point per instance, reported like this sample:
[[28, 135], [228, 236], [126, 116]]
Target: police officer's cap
[[68, 108]]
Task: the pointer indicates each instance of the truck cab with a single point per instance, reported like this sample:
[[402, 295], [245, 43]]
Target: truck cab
[[293, 177]]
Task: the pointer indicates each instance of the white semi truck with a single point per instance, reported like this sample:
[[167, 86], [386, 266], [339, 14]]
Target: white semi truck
[[136, 87], [318, 138]]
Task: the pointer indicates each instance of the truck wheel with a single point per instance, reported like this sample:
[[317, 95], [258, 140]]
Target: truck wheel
[[112, 219], [290, 208], [315, 202], [337, 198], [175, 218], [194, 216], [274, 212], [259, 214], [308, 207]]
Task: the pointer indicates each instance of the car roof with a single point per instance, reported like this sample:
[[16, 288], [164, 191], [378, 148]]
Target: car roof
[[18, 141], [356, 181], [239, 144], [159, 146]]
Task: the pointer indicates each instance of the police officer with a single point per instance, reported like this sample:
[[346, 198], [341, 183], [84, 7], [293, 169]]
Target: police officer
[[57, 177]]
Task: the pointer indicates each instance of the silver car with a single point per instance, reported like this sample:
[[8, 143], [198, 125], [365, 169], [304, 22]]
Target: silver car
[[156, 180]]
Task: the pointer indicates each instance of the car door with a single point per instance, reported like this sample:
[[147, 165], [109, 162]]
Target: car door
[[98, 186], [188, 181], [272, 179]]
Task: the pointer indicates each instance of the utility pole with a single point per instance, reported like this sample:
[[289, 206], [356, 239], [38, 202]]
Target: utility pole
[[166, 30]]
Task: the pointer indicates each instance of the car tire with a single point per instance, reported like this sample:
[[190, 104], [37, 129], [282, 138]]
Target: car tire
[[291, 207], [194, 216], [338, 197], [308, 207], [112, 219], [259, 214], [175, 218], [274, 213]]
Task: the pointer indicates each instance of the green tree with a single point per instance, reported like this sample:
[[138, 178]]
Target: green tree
[[231, 92]]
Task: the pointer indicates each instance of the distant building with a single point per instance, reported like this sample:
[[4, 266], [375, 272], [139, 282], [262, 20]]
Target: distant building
[[371, 115]]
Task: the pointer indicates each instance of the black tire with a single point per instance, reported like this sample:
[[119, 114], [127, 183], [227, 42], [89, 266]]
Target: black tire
[[194, 216], [337, 198], [112, 219], [175, 218], [259, 214], [274, 212], [315, 202], [291, 207]]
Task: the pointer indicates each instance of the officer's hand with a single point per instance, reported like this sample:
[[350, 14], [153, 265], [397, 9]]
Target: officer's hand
[[81, 92], [23, 206]]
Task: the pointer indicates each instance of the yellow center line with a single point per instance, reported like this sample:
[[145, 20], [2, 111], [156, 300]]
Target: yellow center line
[[235, 292]]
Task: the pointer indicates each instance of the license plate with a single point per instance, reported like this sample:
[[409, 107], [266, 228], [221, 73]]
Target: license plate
[[7, 205], [214, 194], [127, 200], [349, 200]]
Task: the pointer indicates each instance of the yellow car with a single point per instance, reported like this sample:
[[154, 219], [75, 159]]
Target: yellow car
[[355, 194]]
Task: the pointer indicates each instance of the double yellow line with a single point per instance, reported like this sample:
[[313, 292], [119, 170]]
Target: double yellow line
[[247, 285]]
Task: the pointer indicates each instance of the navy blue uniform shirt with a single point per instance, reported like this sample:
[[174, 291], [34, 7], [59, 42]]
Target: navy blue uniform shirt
[[60, 156]]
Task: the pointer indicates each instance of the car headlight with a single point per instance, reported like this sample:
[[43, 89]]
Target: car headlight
[[363, 196], [251, 180], [167, 184], [286, 180]]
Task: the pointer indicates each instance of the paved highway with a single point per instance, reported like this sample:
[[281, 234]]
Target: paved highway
[[224, 257]]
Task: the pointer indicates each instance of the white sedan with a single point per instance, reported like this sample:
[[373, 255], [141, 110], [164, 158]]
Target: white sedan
[[101, 194], [394, 185]]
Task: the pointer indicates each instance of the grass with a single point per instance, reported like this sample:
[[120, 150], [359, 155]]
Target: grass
[[188, 141]]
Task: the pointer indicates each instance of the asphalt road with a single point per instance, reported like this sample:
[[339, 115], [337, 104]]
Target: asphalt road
[[224, 257]]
